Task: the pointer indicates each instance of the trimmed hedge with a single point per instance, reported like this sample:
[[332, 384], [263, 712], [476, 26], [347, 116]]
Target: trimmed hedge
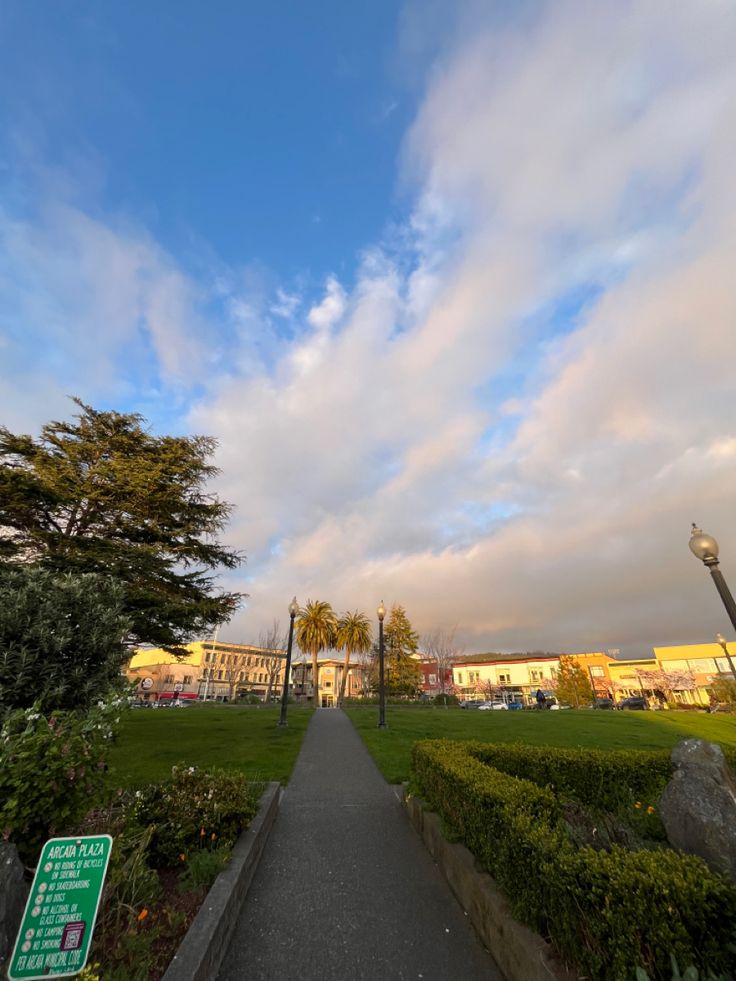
[[603, 779], [606, 912]]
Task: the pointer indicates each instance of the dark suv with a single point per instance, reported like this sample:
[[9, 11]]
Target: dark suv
[[636, 702]]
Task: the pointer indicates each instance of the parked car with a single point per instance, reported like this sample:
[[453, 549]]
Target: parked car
[[470, 705], [495, 706], [515, 706], [604, 703], [635, 702]]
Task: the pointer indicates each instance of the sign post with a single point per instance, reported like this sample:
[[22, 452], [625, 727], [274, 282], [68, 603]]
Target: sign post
[[59, 920]]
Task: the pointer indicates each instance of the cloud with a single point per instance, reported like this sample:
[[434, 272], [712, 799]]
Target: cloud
[[285, 304], [86, 305], [330, 309], [509, 420], [464, 443]]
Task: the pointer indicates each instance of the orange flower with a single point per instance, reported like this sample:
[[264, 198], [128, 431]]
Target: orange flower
[[142, 915], [650, 809], [638, 804], [213, 836], [201, 832], [183, 857]]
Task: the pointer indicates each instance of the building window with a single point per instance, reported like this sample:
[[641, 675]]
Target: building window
[[597, 672], [169, 679], [328, 684], [433, 679], [187, 679], [535, 675], [219, 675], [459, 677], [505, 679]]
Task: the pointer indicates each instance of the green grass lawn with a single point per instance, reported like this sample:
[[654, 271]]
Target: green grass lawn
[[391, 748], [232, 737]]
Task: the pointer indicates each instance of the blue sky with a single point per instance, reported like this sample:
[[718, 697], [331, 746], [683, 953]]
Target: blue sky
[[449, 282], [267, 132]]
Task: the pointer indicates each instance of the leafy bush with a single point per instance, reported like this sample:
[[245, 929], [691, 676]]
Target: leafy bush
[[444, 699], [141, 924], [194, 805], [608, 912], [51, 771], [61, 639], [202, 868], [723, 692]]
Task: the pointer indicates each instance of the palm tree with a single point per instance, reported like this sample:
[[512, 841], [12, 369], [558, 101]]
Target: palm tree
[[354, 636], [316, 626]]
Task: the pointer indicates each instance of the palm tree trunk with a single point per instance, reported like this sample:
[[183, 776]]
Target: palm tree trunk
[[315, 679], [345, 669]]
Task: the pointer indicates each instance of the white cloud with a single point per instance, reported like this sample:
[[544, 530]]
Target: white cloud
[[327, 313], [83, 303], [286, 304]]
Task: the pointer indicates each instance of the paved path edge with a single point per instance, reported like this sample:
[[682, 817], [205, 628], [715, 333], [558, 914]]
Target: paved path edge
[[521, 954], [205, 943]]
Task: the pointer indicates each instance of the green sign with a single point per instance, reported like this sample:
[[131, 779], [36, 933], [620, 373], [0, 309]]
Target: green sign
[[59, 920]]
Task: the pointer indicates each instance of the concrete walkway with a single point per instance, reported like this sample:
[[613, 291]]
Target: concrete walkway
[[345, 890]]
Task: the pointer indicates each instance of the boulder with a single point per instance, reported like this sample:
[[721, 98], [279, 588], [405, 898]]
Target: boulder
[[13, 895], [698, 806]]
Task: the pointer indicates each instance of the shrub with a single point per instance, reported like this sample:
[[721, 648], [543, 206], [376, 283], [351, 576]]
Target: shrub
[[193, 807], [608, 912], [723, 692], [61, 639], [202, 868], [607, 780], [444, 699], [51, 771]]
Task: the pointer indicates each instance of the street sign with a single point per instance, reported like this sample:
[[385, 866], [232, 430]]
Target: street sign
[[178, 686], [59, 920], [147, 683]]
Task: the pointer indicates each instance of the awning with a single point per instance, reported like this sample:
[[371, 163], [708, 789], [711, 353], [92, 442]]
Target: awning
[[177, 694]]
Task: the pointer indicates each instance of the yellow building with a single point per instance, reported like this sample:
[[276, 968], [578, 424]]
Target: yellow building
[[516, 677], [211, 670], [681, 674]]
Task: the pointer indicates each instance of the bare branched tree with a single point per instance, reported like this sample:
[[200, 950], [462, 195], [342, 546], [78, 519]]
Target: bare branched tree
[[273, 645], [232, 668], [441, 646]]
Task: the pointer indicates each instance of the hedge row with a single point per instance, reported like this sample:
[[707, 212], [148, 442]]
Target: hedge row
[[602, 779], [606, 912]]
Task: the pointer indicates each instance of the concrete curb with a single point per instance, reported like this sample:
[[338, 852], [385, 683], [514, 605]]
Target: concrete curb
[[203, 948], [521, 954]]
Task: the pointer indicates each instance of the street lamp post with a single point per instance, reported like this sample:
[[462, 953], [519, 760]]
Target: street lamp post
[[705, 548], [720, 639], [381, 686], [293, 610]]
